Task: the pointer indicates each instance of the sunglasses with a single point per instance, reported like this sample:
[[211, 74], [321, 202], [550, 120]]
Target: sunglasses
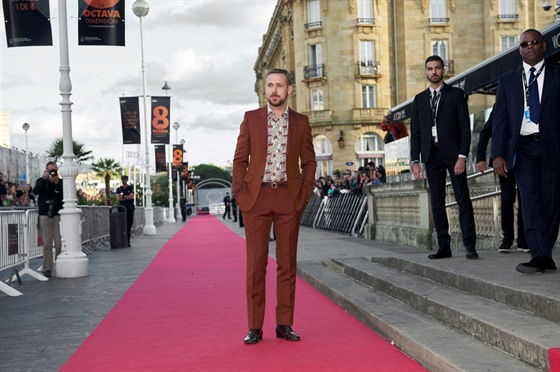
[[525, 44]]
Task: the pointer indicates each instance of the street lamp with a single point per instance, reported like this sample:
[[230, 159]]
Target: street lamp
[[141, 9], [171, 217], [176, 126], [72, 262], [26, 128], [182, 142]]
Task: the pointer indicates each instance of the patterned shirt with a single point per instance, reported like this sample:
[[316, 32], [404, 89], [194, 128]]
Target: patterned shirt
[[275, 169]]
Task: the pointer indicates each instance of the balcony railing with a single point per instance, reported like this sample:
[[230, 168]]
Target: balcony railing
[[508, 17], [312, 25], [439, 21], [365, 21], [368, 68], [314, 71], [368, 115]]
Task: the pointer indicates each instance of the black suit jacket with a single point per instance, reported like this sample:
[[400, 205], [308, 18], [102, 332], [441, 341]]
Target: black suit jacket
[[508, 115], [453, 125]]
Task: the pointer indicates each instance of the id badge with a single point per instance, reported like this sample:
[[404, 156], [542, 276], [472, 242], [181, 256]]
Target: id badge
[[434, 131], [527, 115]]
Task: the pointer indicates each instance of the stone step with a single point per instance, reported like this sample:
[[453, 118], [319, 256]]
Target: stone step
[[545, 305], [516, 332], [435, 345]]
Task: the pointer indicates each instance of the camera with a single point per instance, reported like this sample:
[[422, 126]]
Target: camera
[[50, 212], [546, 5], [52, 173]]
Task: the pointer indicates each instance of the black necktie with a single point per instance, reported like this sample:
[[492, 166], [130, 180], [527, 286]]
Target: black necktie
[[534, 105]]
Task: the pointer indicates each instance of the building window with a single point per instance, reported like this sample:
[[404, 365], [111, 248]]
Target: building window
[[315, 67], [370, 148], [316, 95], [508, 9], [365, 12], [438, 12], [507, 42], [313, 14], [439, 48], [323, 155], [368, 66], [369, 99]]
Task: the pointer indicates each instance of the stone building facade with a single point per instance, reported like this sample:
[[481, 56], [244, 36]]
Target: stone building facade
[[352, 60]]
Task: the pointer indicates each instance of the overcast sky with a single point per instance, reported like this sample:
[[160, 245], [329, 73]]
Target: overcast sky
[[204, 49]]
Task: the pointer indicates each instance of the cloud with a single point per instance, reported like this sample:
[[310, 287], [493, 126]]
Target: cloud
[[204, 49]]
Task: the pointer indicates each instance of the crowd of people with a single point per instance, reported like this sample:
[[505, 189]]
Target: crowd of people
[[348, 181], [14, 195]]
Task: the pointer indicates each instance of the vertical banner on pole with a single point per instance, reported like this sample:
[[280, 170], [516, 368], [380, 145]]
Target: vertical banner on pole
[[160, 158], [161, 113], [101, 22], [177, 158], [130, 119], [27, 22]]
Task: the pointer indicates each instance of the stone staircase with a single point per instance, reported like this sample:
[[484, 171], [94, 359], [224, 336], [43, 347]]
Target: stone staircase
[[450, 315]]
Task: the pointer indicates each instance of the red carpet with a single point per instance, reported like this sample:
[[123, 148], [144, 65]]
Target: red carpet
[[187, 312], [554, 359]]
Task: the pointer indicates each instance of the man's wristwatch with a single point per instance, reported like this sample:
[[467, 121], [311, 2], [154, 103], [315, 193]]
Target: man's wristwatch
[[413, 162]]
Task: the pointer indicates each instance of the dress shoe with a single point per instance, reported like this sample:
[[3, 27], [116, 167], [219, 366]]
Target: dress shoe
[[504, 248], [471, 253], [537, 265], [47, 273], [254, 336], [441, 253], [287, 333]]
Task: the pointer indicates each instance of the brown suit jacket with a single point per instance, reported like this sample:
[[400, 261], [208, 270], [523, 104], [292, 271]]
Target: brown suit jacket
[[250, 158]]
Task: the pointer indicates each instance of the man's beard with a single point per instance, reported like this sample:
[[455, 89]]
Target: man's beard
[[438, 79], [279, 103]]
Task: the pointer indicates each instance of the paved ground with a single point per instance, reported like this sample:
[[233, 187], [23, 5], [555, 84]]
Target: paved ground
[[40, 330]]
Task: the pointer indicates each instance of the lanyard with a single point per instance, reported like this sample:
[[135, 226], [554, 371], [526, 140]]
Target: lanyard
[[434, 103], [526, 86]]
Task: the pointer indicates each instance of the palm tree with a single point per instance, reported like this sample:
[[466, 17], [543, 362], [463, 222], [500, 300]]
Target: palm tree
[[107, 168], [57, 149]]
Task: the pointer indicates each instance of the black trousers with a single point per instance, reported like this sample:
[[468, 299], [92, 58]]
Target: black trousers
[[437, 169], [540, 197], [227, 212], [129, 221], [508, 193]]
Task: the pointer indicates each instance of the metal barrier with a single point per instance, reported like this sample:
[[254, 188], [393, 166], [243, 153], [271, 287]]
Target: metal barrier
[[345, 213], [12, 253], [20, 238]]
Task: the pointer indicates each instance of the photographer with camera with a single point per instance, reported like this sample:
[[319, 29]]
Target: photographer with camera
[[125, 197], [49, 189]]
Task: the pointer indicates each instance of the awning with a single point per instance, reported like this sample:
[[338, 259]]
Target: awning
[[483, 77]]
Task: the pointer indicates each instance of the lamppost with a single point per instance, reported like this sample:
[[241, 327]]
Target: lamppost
[[182, 142], [141, 9], [176, 126], [26, 128], [72, 262], [171, 217]]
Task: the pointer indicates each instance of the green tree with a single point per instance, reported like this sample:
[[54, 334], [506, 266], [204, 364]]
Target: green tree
[[107, 168], [57, 149], [207, 171], [160, 191]]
